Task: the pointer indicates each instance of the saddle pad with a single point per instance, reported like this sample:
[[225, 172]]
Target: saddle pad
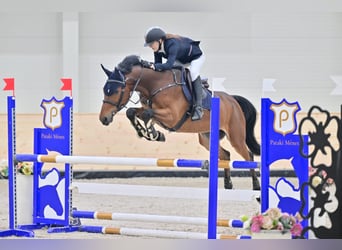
[[206, 99]]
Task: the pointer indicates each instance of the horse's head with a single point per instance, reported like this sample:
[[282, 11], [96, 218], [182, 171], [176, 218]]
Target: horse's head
[[118, 88], [115, 95]]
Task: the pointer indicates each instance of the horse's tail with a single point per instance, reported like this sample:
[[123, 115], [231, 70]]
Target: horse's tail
[[250, 116]]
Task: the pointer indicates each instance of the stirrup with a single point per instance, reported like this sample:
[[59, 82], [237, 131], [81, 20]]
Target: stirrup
[[198, 113]]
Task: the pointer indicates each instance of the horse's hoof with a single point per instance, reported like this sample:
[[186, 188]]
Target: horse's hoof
[[161, 137], [228, 184]]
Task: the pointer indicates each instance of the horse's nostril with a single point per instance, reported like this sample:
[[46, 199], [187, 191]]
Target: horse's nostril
[[103, 120]]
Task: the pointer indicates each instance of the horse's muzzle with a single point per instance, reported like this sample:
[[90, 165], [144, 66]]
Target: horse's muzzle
[[107, 119]]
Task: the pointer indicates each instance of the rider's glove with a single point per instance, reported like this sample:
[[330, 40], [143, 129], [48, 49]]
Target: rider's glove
[[146, 64]]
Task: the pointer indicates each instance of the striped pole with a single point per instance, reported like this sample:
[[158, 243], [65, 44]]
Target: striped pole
[[101, 160], [239, 164], [156, 218], [134, 161], [155, 233]]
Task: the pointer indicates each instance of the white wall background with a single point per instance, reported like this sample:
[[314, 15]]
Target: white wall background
[[301, 49]]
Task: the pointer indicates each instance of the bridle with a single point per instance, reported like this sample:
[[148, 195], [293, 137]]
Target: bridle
[[119, 105]]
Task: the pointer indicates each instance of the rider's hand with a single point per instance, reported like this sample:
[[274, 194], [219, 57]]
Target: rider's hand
[[146, 64], [152, 66]]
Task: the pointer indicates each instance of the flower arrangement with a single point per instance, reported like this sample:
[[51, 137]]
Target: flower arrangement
[[24, 168], [274, 219]]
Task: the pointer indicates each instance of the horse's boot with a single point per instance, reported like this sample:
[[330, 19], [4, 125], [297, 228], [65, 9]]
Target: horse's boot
[[197, 110]]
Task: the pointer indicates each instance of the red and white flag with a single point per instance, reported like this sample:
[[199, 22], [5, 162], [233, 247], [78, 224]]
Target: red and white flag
[[9, 84], [67, 84]]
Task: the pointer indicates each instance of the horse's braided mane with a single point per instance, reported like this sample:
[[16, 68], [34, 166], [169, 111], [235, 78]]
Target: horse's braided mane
[[128, 62]]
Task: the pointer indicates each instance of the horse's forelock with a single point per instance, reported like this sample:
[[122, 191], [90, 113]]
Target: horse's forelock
[[128, 62]]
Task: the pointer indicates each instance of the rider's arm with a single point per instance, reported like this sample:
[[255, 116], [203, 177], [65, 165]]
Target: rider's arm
[[158, 57], [172, 51]]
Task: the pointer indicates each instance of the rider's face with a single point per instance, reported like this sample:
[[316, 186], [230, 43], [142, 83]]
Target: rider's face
[[154, 46]]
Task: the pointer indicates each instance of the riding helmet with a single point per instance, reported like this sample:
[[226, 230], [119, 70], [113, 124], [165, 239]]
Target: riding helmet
[[154, 34]]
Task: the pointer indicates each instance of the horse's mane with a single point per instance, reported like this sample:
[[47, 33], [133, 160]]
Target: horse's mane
[[125, 66]]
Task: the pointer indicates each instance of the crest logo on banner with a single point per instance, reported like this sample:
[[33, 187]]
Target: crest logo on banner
[[284, 117], [52, 113], [51, 186]]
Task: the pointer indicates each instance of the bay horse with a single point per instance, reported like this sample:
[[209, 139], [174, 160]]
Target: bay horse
[[166, 101]]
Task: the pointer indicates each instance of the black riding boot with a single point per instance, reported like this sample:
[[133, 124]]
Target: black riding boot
[[197, 111]]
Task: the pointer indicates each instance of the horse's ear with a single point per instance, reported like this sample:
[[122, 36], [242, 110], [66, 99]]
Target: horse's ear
[[107, 71]]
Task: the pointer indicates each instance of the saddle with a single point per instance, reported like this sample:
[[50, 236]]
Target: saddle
[[186, 77], [186, 83], [188, 89]]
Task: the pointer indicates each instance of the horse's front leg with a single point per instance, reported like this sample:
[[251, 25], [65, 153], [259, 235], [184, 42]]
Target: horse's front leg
[[151, 132], [132, 115]]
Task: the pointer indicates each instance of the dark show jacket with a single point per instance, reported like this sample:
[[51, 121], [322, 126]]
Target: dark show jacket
[[182, 49]]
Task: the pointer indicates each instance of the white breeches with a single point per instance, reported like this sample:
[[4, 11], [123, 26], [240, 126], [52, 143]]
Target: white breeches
[[195, 66]]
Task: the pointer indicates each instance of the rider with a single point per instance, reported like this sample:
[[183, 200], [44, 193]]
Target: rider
[[178, 50]]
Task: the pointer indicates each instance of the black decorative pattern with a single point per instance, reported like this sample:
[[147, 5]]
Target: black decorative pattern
[[325, 161]]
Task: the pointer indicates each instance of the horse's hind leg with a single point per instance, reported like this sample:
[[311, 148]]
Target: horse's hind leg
[[238, 143], [223, 155], [255, 180], [242, 134]]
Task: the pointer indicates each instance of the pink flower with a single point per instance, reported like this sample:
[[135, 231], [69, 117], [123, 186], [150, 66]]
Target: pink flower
[[257, 219], [255, 227], [296, 230]]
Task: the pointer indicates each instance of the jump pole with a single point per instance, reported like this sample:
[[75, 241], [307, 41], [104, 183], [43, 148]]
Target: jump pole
[[156, 233], [101, 160], [233, 223], [134, 161]]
